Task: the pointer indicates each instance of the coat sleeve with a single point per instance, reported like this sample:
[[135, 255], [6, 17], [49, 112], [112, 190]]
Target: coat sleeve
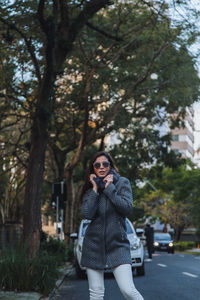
[[90, 204], [122, 197]]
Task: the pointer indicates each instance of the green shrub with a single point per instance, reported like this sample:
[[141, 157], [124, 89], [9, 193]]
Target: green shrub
[[182, 246], [14, 267], [39, 274], [70, 254], [55, 248], [44, 273]]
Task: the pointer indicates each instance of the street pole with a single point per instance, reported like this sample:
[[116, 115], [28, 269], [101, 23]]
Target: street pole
[[62, 225], [57, 217], [62, 213]]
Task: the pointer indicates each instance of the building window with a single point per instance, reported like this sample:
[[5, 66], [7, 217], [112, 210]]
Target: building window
[[175, 137]]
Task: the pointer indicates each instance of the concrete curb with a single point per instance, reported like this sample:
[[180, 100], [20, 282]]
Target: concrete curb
[[194, 250], [19, 296], [66, 271]]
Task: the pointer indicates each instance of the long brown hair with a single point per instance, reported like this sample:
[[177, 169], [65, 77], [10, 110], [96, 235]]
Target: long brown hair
[[90, 170]]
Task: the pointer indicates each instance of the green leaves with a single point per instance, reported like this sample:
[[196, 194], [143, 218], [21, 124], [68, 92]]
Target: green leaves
[[177, 198], [126, 69]]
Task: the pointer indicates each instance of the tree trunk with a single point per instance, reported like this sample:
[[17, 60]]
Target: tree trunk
[[69, 212], [59, 42], [32, 203], [77, 209], [165, 227], [35, 170], [178, 231]]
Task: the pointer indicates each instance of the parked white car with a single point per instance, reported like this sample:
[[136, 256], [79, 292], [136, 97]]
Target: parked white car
[[136, 248]]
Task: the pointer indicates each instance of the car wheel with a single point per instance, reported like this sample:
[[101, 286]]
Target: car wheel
[[140, 270], [79, 272]]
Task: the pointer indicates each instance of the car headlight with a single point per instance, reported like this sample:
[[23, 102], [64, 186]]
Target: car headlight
[[171, 244], [156, 244], [136, 244]]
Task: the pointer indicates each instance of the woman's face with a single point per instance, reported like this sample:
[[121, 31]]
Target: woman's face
[[101, 166]]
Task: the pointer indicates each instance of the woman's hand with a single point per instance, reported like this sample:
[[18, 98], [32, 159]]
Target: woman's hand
[[108, 179], [95, 187]]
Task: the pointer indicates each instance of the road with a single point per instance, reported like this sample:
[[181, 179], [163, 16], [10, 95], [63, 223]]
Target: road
[[168, 277]]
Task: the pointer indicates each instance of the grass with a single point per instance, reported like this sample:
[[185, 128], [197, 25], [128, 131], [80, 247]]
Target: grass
[[191, 252]]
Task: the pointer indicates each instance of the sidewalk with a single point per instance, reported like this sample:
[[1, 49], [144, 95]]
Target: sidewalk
[[194, 250], [65, 271]]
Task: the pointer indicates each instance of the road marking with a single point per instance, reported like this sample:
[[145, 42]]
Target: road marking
[[182, 255], [189, 274], [161, 265], [197, 257]]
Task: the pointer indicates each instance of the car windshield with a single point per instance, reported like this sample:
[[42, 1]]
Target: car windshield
[[85, 225], [129, 229], [162, 236]]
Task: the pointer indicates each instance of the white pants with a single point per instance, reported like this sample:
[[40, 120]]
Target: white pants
[[124, 278]]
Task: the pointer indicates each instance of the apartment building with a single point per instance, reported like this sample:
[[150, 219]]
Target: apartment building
[[183, 138], [197, 134]]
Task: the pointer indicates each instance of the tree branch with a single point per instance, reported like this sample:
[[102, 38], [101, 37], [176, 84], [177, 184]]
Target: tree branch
[[29, 45], [10, 98], [90, 25], [88, 12], [116, 107], [40, 15], [83, 137], [140, 80], [64, 12]]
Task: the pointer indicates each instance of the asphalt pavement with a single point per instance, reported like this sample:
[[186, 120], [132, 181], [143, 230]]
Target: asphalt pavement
[[168, 277]]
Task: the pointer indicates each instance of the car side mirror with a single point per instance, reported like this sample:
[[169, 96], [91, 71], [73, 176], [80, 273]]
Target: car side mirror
[[73, 236], [139, 232]]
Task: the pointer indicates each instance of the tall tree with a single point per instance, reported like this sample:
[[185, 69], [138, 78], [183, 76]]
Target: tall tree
[[39, 36], [176, 200], [108, 86], [47, 32]]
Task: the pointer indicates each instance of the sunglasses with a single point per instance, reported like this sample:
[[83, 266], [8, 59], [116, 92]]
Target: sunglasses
[[105, 164]]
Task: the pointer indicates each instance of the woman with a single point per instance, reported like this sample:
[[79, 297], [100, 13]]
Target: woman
[[107, 200]]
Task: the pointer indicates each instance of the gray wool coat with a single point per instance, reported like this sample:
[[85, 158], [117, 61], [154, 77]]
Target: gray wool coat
[[105, 244]]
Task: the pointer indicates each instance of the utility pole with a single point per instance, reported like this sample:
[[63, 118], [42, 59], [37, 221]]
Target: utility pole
[[58, 202]]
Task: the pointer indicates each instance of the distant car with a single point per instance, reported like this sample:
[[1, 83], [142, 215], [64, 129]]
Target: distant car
[[163, 242], [136, 248]]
